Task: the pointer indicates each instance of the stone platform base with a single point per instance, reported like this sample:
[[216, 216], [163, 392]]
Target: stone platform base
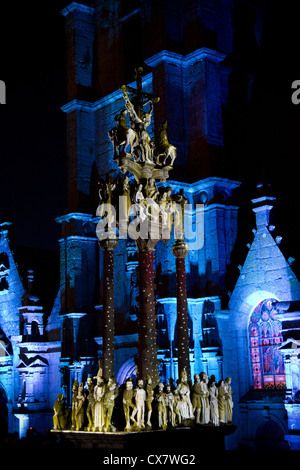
[[185, 440]]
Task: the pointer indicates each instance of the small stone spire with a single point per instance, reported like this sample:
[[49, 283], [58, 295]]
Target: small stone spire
[[30, 298], [262, 204]]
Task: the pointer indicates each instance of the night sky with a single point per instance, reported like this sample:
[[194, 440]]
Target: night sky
[[33, 128]]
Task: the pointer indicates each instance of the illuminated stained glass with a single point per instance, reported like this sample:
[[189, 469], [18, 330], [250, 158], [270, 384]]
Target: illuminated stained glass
[[267, 362]]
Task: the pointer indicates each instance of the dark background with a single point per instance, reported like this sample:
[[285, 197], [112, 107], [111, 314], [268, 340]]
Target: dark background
[[33, 128]]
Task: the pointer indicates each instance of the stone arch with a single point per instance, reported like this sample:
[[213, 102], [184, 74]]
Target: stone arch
[[127, 369], [241, 308], [35, 328], [251, 301], [248, 307], [270, 435], [264, 337]]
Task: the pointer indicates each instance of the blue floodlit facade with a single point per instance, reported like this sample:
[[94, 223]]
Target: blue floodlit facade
[[248, 333]]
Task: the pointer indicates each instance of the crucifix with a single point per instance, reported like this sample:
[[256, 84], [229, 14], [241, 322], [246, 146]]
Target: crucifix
[[139, 93]]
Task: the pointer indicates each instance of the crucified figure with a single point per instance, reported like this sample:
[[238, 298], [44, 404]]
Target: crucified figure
[[140, 125]]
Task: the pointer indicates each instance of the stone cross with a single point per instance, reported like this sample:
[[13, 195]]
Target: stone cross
[[139, 93]]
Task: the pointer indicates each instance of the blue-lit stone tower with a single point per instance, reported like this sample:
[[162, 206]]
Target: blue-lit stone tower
[[190, 53]]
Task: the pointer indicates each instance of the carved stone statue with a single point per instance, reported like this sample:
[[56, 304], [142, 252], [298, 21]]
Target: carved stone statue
[[164, 149], [128, 404], [79, 408], [151, 189], [59, 413], [161, 406], [196, 398], [221, 402], [126, 201], [74, 403], [91, 402], [177, 405], [178, 208], [205, 410], [139, 124], [99, 392], [105, 200], [139, 409], [150, 207], [185, 405], [170, 405], [122, 136], [228, 399], [213, 401], [149, 399], [111, 393], [141, 202], [166, 209]]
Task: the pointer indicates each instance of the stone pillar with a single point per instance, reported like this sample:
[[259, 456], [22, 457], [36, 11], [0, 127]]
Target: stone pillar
[[147, 357], [23, 424], [75, 318], [180, 249], [108, 246]]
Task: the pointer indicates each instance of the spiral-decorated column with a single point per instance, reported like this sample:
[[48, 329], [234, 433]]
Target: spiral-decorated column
[[180, 250], [108, 246], [147, 357]]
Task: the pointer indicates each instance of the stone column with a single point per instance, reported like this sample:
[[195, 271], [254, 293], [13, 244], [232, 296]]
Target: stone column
[[75, 317], [180, 249], [23, 423], [147, 360], [108, 246]]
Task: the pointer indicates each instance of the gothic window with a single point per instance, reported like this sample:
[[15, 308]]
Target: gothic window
[[266, 359], [35, 328]]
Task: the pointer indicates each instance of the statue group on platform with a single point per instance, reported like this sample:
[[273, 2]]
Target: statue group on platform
[[144, 202], [134, 141], [105, 407]]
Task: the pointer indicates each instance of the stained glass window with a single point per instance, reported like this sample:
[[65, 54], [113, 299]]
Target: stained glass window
[[265, 336]]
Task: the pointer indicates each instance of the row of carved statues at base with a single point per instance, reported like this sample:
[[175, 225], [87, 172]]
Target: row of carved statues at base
[[106, 407]]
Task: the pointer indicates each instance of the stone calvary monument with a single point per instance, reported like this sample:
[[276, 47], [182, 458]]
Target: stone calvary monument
[[135, 206]]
